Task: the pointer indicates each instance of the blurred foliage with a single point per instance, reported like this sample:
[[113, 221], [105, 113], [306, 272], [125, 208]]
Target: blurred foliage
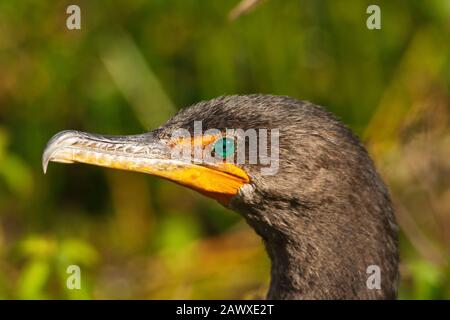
[[134, 63]]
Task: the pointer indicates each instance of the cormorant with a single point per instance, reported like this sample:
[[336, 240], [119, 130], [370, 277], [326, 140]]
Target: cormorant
[[325, 214]]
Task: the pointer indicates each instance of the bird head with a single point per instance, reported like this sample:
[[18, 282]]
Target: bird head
[[247, 152], [299, 177], [211, 147]]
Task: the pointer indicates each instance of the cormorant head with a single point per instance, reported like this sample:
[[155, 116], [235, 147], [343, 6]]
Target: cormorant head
[[247, 152], [299, 177], [213, 147]]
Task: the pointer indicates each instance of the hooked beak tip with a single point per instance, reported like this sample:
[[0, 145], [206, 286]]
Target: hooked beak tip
[[53, 145], [44, 166], [45, 159]]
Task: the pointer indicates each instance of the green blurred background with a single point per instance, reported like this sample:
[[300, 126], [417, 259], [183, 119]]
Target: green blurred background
[[134, 63]]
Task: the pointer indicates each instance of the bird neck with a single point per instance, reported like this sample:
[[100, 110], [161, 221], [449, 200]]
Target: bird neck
[[295, 268], [315, 260], [287, 277], [294, 262]]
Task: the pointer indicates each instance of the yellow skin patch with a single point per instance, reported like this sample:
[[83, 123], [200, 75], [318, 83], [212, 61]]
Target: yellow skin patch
[[203, 140], [220, 181]]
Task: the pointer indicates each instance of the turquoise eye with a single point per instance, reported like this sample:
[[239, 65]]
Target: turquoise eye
[[224, 147]]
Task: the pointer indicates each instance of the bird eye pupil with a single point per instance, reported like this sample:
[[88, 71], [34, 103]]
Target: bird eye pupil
[[224, 147]]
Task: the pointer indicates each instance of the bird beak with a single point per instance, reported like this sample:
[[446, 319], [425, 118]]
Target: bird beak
[[147, 154]]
